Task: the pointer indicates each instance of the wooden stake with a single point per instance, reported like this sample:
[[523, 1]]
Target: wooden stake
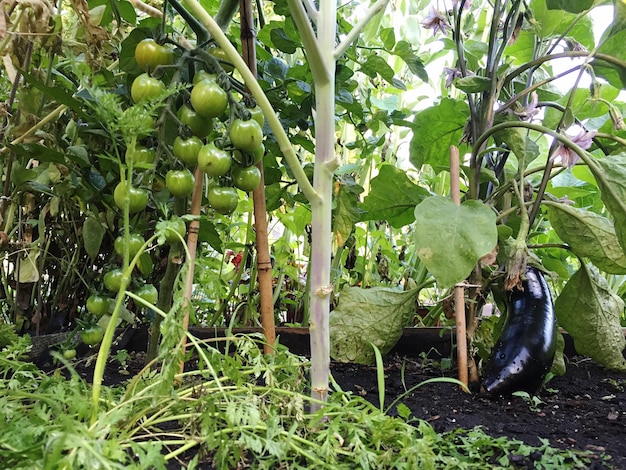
[[192, 244], [459, 290], [264, 263]]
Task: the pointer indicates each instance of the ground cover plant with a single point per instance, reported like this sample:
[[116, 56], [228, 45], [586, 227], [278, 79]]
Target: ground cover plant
[[143, 153]]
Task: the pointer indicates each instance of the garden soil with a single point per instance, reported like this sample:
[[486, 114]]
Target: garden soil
[[585, 409]]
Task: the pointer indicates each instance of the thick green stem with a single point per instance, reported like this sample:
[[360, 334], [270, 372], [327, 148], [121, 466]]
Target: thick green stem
[[321, 244]]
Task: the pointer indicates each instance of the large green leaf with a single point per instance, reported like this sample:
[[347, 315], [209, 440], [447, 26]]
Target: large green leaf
[[612, 183], [450, 239], [392, 197], [589, 235], [591, 313], [93, 233], [369, 316], [345, 212], [434, 130], [572, 6]]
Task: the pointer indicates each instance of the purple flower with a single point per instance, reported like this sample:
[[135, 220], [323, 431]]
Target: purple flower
[[466, 3], [451, 75], [531, 110], [567, 155], [436, 21]]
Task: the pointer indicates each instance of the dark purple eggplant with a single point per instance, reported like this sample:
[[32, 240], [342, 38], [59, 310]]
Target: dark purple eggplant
[[524, 352]]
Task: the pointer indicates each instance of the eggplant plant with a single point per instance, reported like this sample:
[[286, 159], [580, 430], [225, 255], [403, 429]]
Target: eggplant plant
[[529, 148]]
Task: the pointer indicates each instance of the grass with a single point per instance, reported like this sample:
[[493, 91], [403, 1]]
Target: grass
[[237, 410]]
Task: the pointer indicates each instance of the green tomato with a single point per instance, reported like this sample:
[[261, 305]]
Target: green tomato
[[137, 197], [92, 335], [113, 279], [179, 182], [148, 293], [186, 150], [246, 135], [213, 161], [200, 126], [203, 75], [221, 55], [246, 178], [135, 243], [175, 226], [98, 305], [140, 157], [256, 113], [146, 88], [223, 199], [208, 99], [150, 55], [69, 354]]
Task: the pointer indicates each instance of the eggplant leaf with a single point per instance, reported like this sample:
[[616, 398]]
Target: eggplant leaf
[[612, 184], [590, 312], [450, 239], [392, 197], [589, 235], [369, 316]]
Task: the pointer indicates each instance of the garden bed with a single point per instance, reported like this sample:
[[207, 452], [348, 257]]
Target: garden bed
[[585, 409]]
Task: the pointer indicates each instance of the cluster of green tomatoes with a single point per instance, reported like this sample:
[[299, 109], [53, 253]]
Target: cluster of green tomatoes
[[230, 163], [231, 166]]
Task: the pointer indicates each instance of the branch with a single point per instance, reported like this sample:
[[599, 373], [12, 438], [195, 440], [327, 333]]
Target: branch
[[311, 11], [376, 8], [256, 91], [309, 41]]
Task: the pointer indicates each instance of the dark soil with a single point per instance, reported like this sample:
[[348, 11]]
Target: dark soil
[[585, 409]]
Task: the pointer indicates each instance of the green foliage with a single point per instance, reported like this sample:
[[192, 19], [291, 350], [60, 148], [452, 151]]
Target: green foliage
[[366, 317], [450, 239], [591, 313]]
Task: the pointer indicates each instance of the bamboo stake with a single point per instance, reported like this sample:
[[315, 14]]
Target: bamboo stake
[[264, 264], [459, 289], [192, 244]]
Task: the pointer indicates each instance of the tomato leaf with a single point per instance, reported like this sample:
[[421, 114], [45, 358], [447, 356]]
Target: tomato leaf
[[590, 312], [369, 316], [93, 233], [589, 235], [450, 239]]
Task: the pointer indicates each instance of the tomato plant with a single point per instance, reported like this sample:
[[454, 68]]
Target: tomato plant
[[203, 75], [137, 197], [173, 228], [92, 335], [256, 113], [97, 304], [69, 354], [145, 88], [179, 182], [213, 161], [140, 157], [246, 135], [208, 99], [149, 293], [186, 150], [246, 178], [221, 55], [223, 199], [113, 279], [200, 126], [135, 243], [150, 55]]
